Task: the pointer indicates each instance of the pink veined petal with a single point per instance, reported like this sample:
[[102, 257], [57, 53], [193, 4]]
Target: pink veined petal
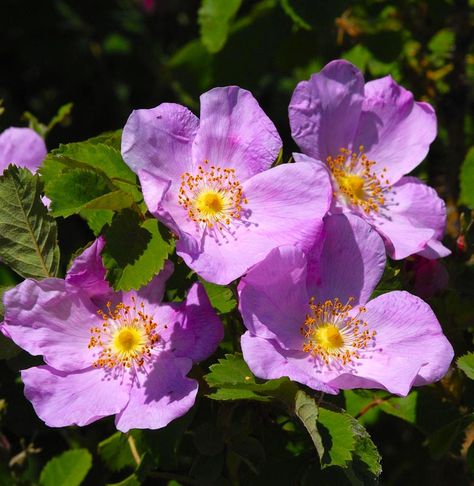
[[234, 132], [273, 299], [286, 205], [324, 111], [410, 217], [410, 347], [396, 131], [269, 361], [22, 147], [352, 261], [159, 397], [53, 319], [159, 140], [189, 329], [88, 272], [62, 399]]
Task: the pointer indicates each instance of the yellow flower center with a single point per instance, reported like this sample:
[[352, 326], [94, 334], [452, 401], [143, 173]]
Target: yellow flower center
[[334, 336], [128, 339], [209, 203], [357, 184], [125, 338], [329, 336], [213, 196]]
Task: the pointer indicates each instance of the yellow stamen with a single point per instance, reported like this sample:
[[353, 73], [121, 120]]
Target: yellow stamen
[[357, 184], [126, 337], [334, 336], [213, 196]]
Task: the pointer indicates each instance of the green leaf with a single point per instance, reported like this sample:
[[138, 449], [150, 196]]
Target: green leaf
[[466, 363], [234, 381], [366, 458], [74, 189], [28, 233], [68, 469], [133, 262], [97, 218], [467, 180], [221, 297], [308, 412], [214, 17], [337, 435], [94, 155], [115, 452]]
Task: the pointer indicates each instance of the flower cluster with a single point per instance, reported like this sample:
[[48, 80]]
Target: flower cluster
[[309, 240]]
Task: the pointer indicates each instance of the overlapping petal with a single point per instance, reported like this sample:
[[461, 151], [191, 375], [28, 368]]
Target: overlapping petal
[[286, 205], [352, 261], [395, 131], [325, 110], [410, 217]]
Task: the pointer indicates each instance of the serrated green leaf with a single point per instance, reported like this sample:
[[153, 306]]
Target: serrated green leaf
[[97, 218], [337, 436], [115, 452], [366, 458], [91, 155], [467, 180], [234, 381], [466, 363], [133, 262], [68, 469], [71, 192], [221, 297], [214, 18], [27, 232]]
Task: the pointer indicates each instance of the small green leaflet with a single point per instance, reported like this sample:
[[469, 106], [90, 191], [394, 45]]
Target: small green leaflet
[[466, 363]]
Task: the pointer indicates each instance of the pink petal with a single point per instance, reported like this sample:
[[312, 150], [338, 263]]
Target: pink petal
[[410, 347], [235, 132], [62, 399], [22, 147], [162, 396], [267, 360], [159, 140], [88, 272], [273, 299], [412, 214], [396, 131], [351, 263], [53, 319], [324, 111]]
